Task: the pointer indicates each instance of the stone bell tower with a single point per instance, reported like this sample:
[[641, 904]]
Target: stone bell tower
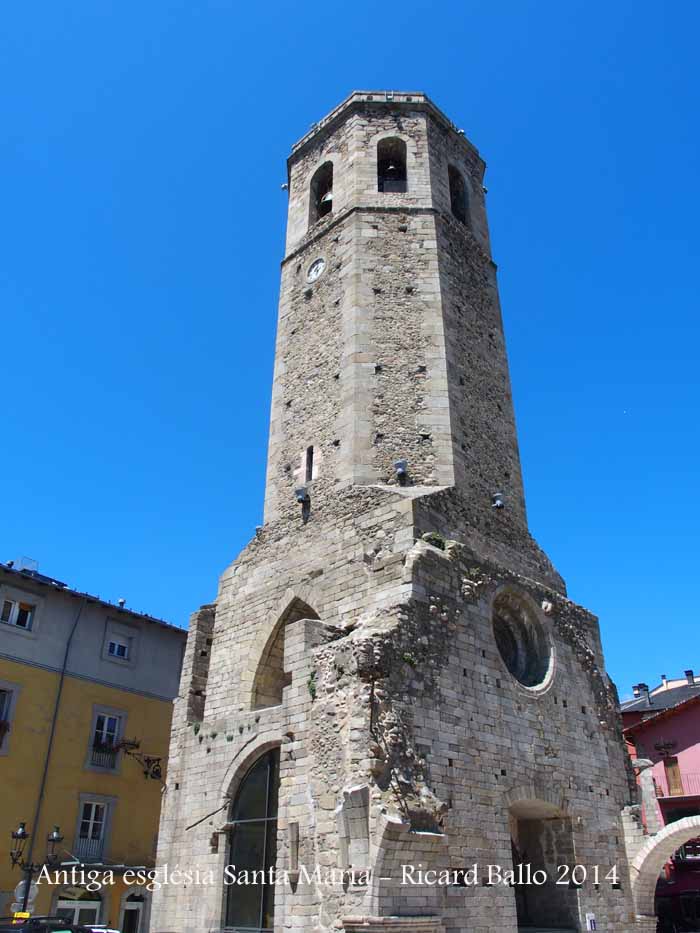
[[391, 674]]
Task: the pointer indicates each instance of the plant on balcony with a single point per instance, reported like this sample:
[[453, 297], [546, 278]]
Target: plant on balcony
[[104, 754]]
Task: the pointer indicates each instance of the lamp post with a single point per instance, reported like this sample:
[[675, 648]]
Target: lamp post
[[20, 837]]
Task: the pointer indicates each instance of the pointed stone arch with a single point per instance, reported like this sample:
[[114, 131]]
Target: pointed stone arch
[[267, 676], [652, 857]]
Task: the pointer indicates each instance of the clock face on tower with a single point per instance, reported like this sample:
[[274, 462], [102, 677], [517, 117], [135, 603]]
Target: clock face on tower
[[315, 269]]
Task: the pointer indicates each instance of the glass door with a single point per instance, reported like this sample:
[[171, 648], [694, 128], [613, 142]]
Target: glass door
[[79, 911]]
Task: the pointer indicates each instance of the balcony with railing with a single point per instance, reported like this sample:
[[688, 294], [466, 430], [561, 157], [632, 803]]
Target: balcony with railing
[[682, 785], [104, 755], [89, 850]]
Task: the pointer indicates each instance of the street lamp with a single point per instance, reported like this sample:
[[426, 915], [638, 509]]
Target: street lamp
[[19, 841], [20, 837]]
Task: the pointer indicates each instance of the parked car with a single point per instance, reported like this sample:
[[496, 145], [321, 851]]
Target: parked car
[[41, 925]]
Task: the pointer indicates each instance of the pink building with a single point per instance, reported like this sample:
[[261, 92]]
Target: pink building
[[662, 731]]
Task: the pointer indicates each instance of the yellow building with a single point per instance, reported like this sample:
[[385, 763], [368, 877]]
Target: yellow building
[[86, 690]]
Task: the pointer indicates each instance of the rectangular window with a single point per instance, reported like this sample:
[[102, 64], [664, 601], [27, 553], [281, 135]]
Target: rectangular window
[[16, 612], [104, 741], [5, 697], [118, 649], [120, 644], [5, 701], [92, 830]]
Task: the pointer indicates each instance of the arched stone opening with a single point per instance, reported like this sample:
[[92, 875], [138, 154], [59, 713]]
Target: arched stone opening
[[321, 193], [391, 165], [270, 676], [542, 841], [252, 846], [651, 858], [459, 203]]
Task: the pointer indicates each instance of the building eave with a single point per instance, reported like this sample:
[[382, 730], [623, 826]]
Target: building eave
[[57, 586]]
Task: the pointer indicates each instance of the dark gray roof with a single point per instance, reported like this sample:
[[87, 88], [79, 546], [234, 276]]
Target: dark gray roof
[[54, 584], [664, 699]]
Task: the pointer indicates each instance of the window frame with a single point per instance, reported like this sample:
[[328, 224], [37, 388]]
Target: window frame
[[272, 757], [76, 905], [16, 595], [13, 690], [107, 711], [119, 644], [120, 633], [109, 803]]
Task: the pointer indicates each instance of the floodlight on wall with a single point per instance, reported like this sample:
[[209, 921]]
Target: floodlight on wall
[[301, 494], [497, 501], [284, 187], [328, 196], [401, 470]]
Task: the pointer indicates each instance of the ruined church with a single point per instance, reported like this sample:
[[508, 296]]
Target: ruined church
[[392, 684]]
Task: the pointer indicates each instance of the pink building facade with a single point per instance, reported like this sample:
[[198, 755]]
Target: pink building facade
[[662, 731]]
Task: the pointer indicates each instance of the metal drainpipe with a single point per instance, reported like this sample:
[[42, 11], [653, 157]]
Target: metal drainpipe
[[47, 759]]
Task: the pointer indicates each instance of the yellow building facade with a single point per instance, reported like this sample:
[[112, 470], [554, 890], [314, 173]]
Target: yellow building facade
[[86, 692]]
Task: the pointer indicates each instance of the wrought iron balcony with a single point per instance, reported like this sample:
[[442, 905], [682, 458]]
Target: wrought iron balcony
[[104, 755], [89, 850], [685, 785]]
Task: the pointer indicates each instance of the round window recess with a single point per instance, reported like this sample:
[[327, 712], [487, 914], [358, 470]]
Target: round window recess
[[521, 639], [315, 269]]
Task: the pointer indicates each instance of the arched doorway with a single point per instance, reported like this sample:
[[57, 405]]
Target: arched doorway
[[253, 846], [133, 912]]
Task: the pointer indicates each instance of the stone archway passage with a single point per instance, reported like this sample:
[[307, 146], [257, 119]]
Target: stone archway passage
[[652, 857]]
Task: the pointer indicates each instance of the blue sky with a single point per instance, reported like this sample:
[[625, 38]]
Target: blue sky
[[144, 145]]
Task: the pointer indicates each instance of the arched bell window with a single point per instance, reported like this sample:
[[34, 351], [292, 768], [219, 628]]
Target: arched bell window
[[458, 194], [391, 165], [253, 847], [321, 193]]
